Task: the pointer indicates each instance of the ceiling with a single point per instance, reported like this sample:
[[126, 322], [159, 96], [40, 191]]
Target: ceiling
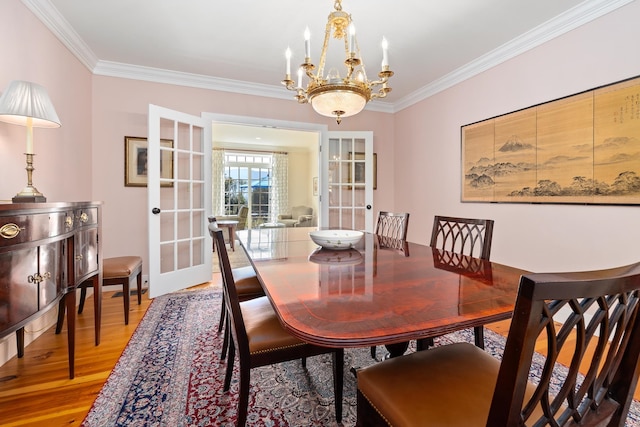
[[239, 45]]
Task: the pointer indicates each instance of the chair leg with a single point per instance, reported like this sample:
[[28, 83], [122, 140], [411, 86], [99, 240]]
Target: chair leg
[[230, 361], [478, 333], [243, 398], [373, 352], [304, 362], [424, 343], [125, 296], [338, 381], [83, 295], [139, 286], [223, 313], [226, 341]]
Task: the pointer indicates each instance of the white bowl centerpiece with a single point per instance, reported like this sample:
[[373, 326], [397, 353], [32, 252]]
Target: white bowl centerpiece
[[336, 239]]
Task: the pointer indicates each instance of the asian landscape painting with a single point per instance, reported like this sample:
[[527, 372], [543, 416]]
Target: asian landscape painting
[[583, 148]]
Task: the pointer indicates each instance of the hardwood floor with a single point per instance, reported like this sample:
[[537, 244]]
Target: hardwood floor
[[36, 390]]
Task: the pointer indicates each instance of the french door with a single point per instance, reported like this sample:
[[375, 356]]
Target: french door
[[179, 200], [347, 190]]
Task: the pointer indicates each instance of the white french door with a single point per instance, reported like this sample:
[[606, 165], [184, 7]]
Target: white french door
[[179, 200], [347, 190]]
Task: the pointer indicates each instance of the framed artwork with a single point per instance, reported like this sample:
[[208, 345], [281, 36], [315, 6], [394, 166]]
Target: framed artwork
[[357, 170], [582, 149], [135, 162], [315, 185]]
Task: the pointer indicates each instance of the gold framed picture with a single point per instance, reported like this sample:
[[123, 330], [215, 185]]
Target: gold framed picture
[[135, 162]]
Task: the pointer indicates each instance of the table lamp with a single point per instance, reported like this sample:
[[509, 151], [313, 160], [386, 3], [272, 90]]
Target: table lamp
[[27, 104]]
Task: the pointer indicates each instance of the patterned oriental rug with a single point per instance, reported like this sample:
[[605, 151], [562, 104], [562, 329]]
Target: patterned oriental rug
[[170, 374]]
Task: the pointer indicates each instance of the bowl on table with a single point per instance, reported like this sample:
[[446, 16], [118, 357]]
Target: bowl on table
[[336, 239]]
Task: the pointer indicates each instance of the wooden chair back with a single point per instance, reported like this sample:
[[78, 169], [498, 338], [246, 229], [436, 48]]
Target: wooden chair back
[[230, 295], [600, 308], [466, 236], [392, 225]]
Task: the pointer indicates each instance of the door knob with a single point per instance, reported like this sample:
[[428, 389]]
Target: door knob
[[155, 211], [369, 207]]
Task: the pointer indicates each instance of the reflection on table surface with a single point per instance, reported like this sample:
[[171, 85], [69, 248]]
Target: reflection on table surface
[[259, 242], [395, 292]]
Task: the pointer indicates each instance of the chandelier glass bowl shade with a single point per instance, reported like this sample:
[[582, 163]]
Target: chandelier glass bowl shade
[[332, 95]]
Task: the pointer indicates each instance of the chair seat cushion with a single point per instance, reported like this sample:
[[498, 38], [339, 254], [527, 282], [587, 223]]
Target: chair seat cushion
[[247, 283], [448, 386], [264, 330], [122, 266]]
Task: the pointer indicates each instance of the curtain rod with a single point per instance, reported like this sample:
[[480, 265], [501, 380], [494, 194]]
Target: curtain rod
[[250, 151]]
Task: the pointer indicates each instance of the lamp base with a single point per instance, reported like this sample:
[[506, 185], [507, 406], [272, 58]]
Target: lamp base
[[30, 194]]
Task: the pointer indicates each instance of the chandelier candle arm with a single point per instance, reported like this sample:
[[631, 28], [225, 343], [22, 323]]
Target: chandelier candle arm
[[385, 54], [287, 55], [307, 45], [352, 40], [332, 95]]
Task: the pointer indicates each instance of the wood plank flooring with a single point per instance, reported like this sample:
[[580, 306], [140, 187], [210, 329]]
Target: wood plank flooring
[[36, 390]]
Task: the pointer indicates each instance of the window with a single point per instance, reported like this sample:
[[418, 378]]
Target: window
[[247, 181]]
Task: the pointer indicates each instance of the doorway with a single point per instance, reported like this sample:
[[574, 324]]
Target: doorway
[[245, 136]]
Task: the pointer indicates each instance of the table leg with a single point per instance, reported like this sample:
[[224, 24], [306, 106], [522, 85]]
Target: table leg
[[397, 349], [232, 238]]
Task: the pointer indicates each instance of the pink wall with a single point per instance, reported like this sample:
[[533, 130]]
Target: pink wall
[[63, 156], [535, 237]]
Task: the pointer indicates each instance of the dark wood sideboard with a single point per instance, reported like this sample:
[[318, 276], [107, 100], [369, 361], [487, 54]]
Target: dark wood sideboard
[[46, 251]]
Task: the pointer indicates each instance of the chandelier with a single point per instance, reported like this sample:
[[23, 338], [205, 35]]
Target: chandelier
[[332, 95]]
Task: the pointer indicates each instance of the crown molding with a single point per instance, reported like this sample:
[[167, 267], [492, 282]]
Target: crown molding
[[46, 12], [573, 18], [579, 15]]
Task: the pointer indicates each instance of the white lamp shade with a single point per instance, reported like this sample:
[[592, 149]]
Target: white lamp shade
[[23, 100]]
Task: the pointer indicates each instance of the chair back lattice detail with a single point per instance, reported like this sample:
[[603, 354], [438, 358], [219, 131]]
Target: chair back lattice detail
[[570, 311], [466, 236], [393, 225]]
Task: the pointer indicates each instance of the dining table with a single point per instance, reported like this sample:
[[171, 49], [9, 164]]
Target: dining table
[[379, 292]]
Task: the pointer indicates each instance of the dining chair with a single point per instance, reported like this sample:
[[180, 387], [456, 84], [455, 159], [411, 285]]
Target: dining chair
[[465, 236], [260, 339], [247, 286], [393, 226], [589, 319]]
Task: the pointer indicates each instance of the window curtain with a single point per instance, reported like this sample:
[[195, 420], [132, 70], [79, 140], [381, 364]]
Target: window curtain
[[217, 182], [279, 196]]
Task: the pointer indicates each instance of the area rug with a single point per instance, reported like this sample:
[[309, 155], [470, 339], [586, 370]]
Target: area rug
[[170, 374]]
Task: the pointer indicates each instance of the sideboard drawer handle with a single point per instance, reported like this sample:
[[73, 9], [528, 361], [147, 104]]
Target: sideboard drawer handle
[[9, 231], [84, 217], [68, 220]]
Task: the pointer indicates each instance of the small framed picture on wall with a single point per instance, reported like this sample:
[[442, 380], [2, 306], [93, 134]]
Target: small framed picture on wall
[[135, 161]]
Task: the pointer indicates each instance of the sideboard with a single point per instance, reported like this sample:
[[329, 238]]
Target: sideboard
[[46, 251]]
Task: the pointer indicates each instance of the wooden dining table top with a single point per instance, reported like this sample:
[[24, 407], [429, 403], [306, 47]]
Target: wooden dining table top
[[380, 292]]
